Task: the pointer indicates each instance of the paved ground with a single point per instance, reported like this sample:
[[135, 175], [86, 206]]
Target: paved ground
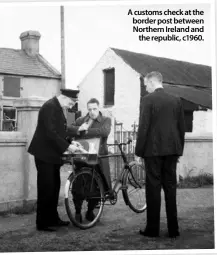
[[117, 230]]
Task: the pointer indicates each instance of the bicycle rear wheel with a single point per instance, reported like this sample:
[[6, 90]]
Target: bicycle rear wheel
[[82, 190], [134, 192]]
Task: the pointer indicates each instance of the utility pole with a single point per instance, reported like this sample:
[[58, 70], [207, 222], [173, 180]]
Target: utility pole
[[62, 48]]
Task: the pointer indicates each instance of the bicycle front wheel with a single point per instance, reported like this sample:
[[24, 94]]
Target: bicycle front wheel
[[84, 190], [134, 192]]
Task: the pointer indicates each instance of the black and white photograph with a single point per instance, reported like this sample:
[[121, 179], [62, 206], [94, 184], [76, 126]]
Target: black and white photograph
[[107, 126]]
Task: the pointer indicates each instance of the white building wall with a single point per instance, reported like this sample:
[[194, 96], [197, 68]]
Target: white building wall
[[197, 156], [36, 87], [202, 122], [127, 90], [40, 87]]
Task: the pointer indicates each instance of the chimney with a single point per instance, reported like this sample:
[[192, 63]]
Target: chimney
[[30, 42]]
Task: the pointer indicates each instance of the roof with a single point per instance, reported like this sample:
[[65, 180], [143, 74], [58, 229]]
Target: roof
[[199, 96], [174, 72], [192, 82], [17, 62]]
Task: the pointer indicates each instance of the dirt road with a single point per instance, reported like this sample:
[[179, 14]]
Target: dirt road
[[117, 230]]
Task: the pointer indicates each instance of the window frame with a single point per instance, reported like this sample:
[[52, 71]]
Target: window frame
[[106, 104], [3, 85], [188, 114], [2, 107]]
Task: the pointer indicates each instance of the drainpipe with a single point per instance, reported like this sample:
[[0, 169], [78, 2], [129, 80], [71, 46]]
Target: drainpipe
[[62, 48]]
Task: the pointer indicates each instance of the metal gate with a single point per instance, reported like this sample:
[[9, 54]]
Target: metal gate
[[121, 135]]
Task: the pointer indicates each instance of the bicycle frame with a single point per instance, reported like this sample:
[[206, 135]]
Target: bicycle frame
[[127, 167], [119, 182], [122, 183]]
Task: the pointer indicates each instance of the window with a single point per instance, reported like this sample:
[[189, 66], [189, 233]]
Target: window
[[143, 92], [188, 121], [189, 109], [8, 118], [11, 86], [109, 86]]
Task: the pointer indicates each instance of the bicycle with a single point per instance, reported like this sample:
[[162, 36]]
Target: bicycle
[[131, 181]]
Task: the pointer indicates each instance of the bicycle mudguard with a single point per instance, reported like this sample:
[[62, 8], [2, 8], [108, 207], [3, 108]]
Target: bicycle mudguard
[[123, 191], [133, 182], [67, 184], [131, 164]]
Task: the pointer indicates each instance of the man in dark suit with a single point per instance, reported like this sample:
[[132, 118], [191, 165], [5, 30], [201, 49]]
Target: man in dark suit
[[160, 141], [94, 124], [47, 146]]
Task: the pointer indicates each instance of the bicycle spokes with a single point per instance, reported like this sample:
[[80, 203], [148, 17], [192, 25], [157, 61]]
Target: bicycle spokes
[[134, 194], [85, 199]]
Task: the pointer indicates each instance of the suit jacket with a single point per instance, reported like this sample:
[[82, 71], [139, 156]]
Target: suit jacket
[[161, 128], [100, 127], [48, 142]]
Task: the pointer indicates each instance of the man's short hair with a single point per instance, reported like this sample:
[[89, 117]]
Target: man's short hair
[[156, 75], [93, 101]]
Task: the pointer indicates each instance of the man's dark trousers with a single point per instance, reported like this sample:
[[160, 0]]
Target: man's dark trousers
[[161, 171], [48, 188]]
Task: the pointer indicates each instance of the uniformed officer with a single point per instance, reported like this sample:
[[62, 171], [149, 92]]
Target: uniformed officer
[[47, 145]]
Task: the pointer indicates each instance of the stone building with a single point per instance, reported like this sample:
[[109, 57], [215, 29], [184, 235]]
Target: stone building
[[27, 80], [24, 74]]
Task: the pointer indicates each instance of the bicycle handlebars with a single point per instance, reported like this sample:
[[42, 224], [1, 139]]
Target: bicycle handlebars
[[72, 155], [120, 144]]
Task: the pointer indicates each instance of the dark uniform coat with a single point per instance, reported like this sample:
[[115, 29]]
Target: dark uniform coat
[[48, 142], [47, 146]]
